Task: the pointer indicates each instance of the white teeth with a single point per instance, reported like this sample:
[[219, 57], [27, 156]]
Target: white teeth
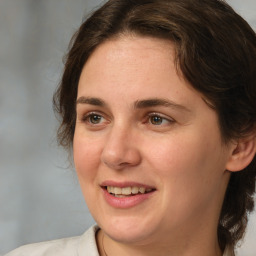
[[121, 192], [117, 191], [120, 196], [126, 191], [135, 190], [142, 190]]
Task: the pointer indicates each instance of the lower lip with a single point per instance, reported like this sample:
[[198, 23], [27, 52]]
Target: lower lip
[[125, 202]]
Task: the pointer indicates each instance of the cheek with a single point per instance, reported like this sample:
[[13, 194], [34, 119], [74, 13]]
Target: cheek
[[86, 159], [190, 159], [86, 154], [190, 173]]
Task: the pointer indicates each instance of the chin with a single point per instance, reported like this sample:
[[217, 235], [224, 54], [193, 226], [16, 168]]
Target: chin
[[129, 230]]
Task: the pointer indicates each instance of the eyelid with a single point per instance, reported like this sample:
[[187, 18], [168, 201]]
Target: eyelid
[[168, 119], [87, 114], [84, 118]]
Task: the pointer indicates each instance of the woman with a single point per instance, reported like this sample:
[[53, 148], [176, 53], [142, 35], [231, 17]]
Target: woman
[[158, 104]]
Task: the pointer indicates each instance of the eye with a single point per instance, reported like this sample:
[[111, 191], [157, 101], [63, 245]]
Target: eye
[[157, 119], [93, 119]]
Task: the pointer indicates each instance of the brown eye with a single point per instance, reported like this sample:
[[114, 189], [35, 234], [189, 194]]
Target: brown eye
[[94, 119], [156, 120]]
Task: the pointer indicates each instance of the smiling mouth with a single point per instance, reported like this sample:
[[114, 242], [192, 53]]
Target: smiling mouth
[[127, 191]]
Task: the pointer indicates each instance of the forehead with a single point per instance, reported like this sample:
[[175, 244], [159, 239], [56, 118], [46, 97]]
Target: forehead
[[128, 69], [124, 46], [134, 60]]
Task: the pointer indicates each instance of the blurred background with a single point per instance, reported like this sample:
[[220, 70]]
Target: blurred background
[[40, 198]]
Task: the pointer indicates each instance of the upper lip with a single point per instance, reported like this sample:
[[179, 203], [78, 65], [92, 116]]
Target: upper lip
[[125, 184]]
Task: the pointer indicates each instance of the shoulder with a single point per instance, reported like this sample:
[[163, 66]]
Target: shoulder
[[72, 246], [56, 247]]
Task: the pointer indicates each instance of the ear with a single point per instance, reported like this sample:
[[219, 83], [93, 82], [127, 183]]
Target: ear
[[242, 153]]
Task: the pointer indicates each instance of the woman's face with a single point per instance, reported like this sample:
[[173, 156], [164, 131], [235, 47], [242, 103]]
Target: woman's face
[[147, 148]]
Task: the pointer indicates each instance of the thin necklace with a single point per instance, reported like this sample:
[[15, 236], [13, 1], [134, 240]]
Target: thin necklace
[[102, 242]]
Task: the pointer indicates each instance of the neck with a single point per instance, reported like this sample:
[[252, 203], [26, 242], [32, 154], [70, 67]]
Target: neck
[[109, 247]]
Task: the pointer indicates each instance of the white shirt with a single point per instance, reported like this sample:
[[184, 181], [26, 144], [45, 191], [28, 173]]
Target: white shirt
[[84, 245]]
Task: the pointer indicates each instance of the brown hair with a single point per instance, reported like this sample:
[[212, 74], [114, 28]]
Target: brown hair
[[216, 53]]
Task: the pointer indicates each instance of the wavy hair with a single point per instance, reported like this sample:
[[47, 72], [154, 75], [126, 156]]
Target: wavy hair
[[215, 49]]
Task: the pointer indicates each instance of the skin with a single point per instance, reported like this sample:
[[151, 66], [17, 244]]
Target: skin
[[182, 155]]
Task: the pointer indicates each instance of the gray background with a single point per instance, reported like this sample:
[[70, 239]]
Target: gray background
[[40, 197]]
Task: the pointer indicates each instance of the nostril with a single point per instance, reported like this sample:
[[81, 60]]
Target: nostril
[[124, 164], [120, 157]]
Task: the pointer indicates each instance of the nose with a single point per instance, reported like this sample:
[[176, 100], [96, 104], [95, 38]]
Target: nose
[[121, 149]]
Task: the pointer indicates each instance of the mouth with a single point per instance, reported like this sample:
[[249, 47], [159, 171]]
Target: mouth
[[127, 191], [125, 195]]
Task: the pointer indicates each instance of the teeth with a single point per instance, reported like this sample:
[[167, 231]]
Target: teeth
[[121, 192], [135, 190], [120, 196], [126, 191], [117, 191], [142, 190]]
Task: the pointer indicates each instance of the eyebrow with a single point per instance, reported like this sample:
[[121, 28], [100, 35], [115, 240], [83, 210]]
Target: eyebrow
[[139, 104], [147, 103], [91, 101]]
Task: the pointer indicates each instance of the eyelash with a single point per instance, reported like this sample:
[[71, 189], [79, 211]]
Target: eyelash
[[149, 119], [159, 117], [86, 118]]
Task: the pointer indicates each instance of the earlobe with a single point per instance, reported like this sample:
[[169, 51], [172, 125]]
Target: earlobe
[[242, 154]]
